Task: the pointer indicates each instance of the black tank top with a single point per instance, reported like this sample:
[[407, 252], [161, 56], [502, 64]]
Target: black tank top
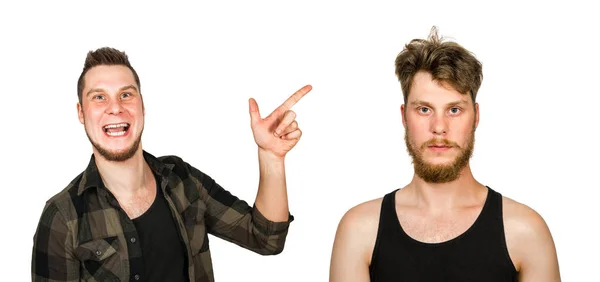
[[479, 254]]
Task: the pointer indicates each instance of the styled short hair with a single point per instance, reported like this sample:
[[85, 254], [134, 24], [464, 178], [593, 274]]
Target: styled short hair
[[104, 56], [447, 62]]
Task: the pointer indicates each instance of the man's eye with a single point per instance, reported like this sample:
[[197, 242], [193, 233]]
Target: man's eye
[[125, 95], [424, 110], [454, 110], [98, 97]]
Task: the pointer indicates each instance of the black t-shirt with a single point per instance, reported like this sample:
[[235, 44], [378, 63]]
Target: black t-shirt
[[162, 249]]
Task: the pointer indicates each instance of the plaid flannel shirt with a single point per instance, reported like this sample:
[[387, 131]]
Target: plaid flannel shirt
[[83, 234]]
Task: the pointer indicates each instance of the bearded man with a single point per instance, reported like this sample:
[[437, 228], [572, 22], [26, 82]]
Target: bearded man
[[444, 225]]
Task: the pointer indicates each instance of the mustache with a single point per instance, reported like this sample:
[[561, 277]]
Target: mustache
[[438, 142]]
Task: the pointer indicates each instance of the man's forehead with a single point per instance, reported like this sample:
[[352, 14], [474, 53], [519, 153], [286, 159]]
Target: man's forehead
[[427, 90], [109, 78], [438, 97]]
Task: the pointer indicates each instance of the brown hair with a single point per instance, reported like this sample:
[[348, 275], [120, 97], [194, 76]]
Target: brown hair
[[447, 62], [104, 56]]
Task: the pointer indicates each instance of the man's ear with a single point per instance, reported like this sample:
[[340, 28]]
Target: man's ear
[[403, 113], [476, 115], [80, 113], [143, 105]]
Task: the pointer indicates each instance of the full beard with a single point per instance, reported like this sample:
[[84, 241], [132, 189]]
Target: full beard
[[117, 156], [439, 173]]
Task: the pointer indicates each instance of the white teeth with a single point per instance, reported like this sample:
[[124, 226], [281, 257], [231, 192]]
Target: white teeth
[[119, 133], [116, 125]]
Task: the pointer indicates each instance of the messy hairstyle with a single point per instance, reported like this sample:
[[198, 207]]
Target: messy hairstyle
[[104, 56], [447, 62]]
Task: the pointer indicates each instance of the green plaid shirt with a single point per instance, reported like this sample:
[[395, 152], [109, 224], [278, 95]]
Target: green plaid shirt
[[83, 234]]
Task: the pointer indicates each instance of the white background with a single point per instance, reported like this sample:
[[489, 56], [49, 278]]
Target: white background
[[199, 64]]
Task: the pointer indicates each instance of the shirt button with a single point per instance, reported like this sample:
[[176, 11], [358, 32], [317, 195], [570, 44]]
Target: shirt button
[[136, 277], [132, 240], [98, 252]]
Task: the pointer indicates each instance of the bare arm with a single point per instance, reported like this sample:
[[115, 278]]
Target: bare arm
[[271, 198], [275, 136], [530, 244], [354, 242], [233, 219]]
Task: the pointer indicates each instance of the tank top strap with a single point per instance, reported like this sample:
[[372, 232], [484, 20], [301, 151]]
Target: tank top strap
[[493, 206], [388, 223], [388, 217]]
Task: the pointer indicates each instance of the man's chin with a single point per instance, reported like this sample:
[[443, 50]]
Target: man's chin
[[439, 162], [117, 155], [437, 173]]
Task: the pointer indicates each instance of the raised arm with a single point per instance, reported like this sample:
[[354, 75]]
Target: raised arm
[[275, 136], [262, 228]]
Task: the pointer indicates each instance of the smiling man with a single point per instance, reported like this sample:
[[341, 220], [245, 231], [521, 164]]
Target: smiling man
[[130, 216], [444, 225]]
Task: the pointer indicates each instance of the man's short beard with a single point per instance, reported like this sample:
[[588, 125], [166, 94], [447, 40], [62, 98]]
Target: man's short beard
[[117, 156], [439, 173]]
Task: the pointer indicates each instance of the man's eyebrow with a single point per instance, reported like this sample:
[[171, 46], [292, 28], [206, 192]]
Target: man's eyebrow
[[129, 87], [95, 90], [459, 102], [423, 103], [420, 103]]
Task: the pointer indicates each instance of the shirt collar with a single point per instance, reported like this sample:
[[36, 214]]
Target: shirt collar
[[91, 175]]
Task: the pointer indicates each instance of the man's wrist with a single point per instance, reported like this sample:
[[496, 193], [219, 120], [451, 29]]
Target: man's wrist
[[270, 157]]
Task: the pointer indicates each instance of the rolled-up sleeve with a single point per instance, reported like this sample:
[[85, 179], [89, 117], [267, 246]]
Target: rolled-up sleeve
[[232, 219]]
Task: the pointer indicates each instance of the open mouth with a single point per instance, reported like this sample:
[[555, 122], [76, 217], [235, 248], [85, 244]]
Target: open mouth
[[118, 129]]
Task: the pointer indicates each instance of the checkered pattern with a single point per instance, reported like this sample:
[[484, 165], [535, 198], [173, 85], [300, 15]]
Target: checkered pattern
[[83, 234]]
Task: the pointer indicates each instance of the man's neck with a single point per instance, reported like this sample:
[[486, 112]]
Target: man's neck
[[124, 178], [440, 197]]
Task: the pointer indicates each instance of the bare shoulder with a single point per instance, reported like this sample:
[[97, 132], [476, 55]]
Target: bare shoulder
[[529, 240], [354, 242], [522, 218], [523, 221], [363, 215], [360, 224]]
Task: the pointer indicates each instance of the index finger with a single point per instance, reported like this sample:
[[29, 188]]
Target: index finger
[[292, 100]]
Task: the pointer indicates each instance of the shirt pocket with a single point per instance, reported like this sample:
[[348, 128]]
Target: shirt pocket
[[100, 259]]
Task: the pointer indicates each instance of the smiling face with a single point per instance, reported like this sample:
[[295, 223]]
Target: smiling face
[[112, 112], [440, 127]]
